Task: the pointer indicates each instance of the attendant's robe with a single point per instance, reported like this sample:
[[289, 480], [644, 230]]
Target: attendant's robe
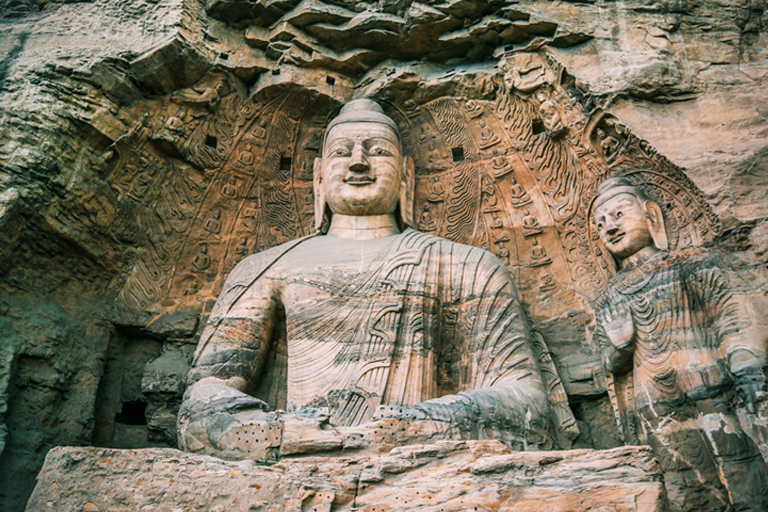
[[676, 383]]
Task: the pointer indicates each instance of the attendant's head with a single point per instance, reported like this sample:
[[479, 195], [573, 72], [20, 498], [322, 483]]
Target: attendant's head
[[362, 170], [629, 224]]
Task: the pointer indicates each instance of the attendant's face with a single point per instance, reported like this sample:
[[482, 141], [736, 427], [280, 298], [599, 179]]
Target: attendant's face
[[622, 225], [362, 165]]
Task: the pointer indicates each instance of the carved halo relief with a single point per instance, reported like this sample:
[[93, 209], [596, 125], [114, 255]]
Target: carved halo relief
[[512, 171], [208, 175]]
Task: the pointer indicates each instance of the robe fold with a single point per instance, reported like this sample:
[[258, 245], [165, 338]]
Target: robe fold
[[420, 321]]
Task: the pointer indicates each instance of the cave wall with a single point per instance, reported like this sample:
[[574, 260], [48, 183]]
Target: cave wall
[[83, 360]]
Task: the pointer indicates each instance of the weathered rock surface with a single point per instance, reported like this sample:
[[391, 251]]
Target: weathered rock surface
[[448, 476], [76, 79]]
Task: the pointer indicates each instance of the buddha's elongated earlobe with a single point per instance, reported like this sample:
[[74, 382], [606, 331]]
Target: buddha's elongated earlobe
[[407, 191], [656, 225], [317, 179]]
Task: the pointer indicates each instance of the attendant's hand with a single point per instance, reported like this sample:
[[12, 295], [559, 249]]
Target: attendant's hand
[[618, 326]]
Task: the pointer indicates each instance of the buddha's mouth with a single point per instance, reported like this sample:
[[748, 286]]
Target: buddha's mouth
[[616, 238], [359, 180]]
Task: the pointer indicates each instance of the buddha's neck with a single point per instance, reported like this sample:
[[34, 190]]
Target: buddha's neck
[[354, 227], [645, 252]]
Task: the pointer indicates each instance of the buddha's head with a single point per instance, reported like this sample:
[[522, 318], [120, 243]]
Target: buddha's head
[[629, 224], [362, 170]]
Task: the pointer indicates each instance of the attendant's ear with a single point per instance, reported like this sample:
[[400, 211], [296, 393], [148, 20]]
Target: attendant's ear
[[407, 191], [655, 219], [317, 181]]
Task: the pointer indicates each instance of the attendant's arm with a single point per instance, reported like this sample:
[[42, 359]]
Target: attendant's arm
[[741, 341]]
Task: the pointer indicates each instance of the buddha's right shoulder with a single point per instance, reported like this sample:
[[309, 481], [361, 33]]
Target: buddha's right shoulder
[[251, 266]]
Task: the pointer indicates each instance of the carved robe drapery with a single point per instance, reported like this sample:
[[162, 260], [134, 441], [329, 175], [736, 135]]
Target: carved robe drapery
[[424, 320], [676, 385]]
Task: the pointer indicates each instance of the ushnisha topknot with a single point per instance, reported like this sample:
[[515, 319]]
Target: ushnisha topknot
[[361, 111], [615, 186]]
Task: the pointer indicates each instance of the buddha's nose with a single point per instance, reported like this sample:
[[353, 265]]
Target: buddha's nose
[[358, 162], [610, 226]]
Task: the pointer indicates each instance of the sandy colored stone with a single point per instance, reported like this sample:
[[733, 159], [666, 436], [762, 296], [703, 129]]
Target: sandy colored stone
[[379, 321], [452, 476], [77, 79], [685, 356]]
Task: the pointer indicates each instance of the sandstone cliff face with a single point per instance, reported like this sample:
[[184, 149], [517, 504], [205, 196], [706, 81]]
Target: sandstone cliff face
[[97, 321]]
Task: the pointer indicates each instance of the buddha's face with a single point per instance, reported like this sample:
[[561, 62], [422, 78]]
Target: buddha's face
[[622, 225], [362, 165]]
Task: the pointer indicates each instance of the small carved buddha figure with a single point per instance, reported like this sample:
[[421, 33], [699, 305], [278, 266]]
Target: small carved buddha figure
[[530, 224], [500, 164], [547, 283], [436, 191], [503, 254], [309, 198], [474, 109], [503, 237], [189, 285], [145, 165], [487, 185], [102, 163], [202, 261], [608, 144], [259, 131], [361, 312], [496, 223], [488, 194], [244, 161], [673, 322], [174, 125], [249, 218], [549, 114], [230, 189], [213, 223], [241, 251], [134, 135], [487, 137], [538, 255], [427, 222], [519, 196], [411, 109]]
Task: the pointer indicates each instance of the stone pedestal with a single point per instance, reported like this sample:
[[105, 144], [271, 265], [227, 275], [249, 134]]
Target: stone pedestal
[[447, 476]]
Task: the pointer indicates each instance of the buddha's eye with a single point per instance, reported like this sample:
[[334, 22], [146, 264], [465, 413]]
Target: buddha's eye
[[378, 151], [619, 215], [599, 225], [339, 151]]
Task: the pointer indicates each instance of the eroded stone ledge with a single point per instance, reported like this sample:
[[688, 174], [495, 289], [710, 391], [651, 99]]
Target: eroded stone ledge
[[446, 476]]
